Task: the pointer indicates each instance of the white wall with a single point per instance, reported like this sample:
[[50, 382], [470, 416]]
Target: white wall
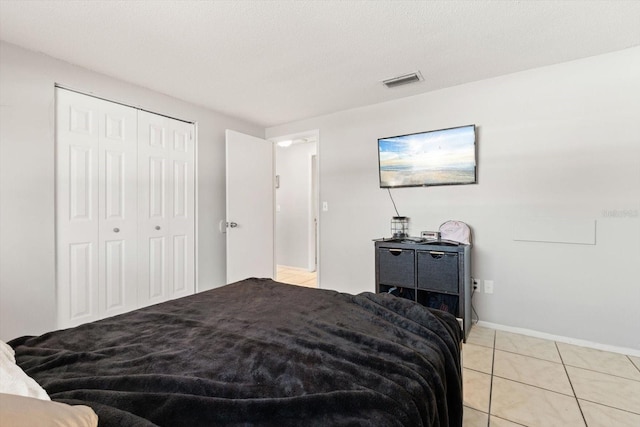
[[27, 256], [293, 165], [559, 143]]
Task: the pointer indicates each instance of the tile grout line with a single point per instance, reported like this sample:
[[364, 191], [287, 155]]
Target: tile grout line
[[611, 407], [493, 361], [632, 362], [510, 421], [507, 379], [536, 386], [571, 384], [608, 374], [528, 355]]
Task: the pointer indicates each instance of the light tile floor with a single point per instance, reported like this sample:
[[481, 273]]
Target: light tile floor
[[296, 276], [516, 380]]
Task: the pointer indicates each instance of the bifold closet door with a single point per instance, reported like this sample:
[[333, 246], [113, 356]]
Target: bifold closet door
[[166, 183], [96, 208]]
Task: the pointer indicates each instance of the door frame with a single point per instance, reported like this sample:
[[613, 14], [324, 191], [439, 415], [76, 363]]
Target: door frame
[[312, 227], [314, 217]]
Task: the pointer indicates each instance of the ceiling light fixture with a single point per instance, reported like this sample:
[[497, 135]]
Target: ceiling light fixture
[[403, 80], [285, 143]]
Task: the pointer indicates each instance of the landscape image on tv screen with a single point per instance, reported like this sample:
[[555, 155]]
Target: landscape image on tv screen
[[439, 157]]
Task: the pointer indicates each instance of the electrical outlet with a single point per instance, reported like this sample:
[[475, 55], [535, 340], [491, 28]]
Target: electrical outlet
[[488, 286]]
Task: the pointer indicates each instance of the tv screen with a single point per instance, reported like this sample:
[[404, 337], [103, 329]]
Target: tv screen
[[438, 157]]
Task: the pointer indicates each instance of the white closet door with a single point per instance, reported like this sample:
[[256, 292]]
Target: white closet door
[[118, 205], [96, 209], [166, 182]]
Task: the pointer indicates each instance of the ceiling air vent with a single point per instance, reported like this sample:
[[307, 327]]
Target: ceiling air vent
[[403, 80]]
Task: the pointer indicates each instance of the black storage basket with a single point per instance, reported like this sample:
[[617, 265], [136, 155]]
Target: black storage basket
[[438, 271]]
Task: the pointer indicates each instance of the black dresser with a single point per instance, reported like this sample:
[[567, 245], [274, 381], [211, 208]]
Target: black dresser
[[436, 274]]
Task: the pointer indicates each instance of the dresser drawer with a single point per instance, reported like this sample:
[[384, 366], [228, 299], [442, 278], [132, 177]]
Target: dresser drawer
[[396, 267], [438, 271]]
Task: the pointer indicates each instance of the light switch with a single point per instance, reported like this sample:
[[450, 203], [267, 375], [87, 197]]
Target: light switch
[[325, 206]]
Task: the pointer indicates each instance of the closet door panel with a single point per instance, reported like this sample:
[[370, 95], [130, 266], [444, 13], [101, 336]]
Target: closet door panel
[[180, 189], [181, 266], [125, 218], [114, 185], [82, 285], [157, 188], [77, 189], [115, 281], [154, 197], [81, 183], [182, 216], [96, 217], [157, 265], [167, 194], [118, 207]]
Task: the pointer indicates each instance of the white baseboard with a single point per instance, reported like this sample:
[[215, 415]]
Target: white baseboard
[[568, 340]]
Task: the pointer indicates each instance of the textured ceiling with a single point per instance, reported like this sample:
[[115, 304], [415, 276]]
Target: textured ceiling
[[272, 62]]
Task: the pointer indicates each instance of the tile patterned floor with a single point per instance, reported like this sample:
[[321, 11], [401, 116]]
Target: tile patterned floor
[[296, 276], [516, 380]]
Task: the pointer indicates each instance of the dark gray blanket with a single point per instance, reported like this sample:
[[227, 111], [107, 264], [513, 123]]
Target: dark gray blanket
[[258, 353]]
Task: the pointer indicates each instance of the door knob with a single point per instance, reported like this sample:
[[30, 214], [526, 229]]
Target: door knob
[[233, 224], [116, 230], [157, 227]]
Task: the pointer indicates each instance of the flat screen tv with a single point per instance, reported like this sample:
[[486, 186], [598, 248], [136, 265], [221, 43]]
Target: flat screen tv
[[437, 157]]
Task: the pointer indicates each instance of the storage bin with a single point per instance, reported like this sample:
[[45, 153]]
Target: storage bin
[[396, 267], [438, 271]]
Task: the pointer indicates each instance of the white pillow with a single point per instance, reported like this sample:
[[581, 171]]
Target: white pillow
[[20, 411], [14, 380], [5, 349]]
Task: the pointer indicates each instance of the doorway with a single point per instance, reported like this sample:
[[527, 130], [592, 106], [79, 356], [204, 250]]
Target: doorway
[[296, 206]]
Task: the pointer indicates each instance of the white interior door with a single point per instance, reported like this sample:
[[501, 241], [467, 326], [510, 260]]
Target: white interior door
[[118, 207], [166, 183], [96, 214], [250, 207]]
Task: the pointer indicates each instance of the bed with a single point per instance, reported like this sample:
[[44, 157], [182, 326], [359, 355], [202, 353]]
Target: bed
[[258, 353]]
